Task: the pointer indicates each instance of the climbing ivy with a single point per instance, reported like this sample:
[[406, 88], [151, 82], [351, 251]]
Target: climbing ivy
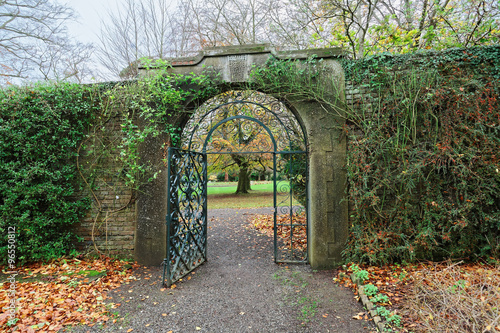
[[375, 69], [299, 80], [423, 163], [148, 110], [148, 107]]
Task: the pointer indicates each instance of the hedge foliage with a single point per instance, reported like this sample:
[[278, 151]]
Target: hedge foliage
[[424, 157], [40, 127]]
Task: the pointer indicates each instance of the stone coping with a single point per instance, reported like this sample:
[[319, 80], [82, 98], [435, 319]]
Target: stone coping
[[236, 50]]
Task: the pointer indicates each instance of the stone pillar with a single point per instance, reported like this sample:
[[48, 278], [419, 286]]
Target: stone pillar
[[327, 181], [150, 238], [328, 209], [328, 213]]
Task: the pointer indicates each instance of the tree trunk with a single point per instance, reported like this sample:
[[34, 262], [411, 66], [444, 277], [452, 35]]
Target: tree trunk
[[243, 181], [244, 175]]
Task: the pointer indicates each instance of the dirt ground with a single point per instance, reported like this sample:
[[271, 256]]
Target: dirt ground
[[239, 289]]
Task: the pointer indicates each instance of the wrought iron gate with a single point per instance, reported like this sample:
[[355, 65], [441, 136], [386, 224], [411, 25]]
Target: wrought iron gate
[[186, 214], [237, 123], [290, 207]]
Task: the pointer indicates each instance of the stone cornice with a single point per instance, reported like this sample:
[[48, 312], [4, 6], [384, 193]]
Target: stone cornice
[[224, 51]]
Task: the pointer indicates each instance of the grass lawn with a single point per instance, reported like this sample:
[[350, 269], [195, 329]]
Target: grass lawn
[[222, 195], [230, 187]]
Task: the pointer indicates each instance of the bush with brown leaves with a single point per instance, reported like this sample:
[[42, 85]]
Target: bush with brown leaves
[[455, 298]]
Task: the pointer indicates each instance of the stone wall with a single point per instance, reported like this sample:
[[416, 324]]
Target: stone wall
[[113, 235], [109, 226], [358, 95]]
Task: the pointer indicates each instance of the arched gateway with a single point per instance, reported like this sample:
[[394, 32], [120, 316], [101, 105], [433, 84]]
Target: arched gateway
[[308, 133]]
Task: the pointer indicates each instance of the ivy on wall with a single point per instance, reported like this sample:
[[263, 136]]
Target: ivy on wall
[[109, 159], [423, 162], [423, 159], [376, 69]]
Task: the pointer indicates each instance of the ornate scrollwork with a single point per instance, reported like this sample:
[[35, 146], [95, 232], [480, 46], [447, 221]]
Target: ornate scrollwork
[[291, 210], [186, 216], [250, 110]]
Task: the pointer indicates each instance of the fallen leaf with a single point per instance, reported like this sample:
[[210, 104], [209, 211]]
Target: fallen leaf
[[359, 316]]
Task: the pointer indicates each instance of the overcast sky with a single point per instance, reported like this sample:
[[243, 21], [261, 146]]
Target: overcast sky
[[88, 24], [90, 13]]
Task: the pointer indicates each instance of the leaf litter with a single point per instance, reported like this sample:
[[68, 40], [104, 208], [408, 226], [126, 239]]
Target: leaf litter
[[436, 296], [264, 223], [64, 292]]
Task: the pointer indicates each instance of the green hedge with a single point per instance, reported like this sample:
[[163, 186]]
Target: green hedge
[[40, 128], [424, 162]]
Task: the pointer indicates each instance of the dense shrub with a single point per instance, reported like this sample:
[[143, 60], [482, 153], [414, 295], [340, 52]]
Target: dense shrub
[[40, 127], [424, 161]]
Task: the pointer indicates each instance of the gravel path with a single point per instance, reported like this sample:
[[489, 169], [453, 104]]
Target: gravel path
[[239, 289]]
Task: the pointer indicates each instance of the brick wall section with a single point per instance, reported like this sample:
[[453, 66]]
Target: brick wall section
[[113, 231], [357, 96], [110, 224]]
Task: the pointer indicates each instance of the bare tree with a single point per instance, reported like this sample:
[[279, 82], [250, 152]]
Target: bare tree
[[158, 29], [64, 62], [140, 29], [292, 26], [229, 22], [30, 30]]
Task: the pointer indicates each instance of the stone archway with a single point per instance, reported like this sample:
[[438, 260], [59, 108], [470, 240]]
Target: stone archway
[[328, 216]]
